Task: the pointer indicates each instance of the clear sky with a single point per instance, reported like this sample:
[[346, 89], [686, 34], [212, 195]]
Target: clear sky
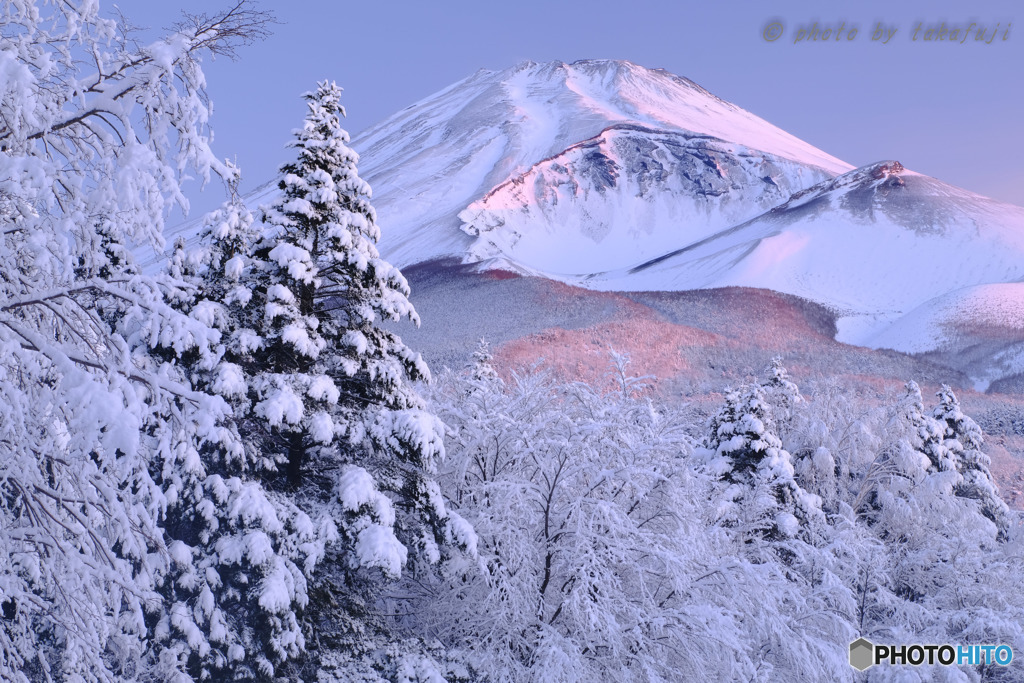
[[947, 109]]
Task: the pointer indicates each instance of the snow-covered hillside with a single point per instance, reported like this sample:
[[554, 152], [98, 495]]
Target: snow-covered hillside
[[873, 244], [625, 196], [984, 309], [978, 329]]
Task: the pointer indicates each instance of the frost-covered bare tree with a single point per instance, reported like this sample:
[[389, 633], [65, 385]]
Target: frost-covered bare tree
[[96, 136], [596, 564], [594, 522], [834, 441]]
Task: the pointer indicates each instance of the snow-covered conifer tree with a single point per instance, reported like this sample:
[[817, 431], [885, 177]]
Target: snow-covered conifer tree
[[333, 395], [901, 462], [936, 539], [242, 554], [326, 291], [482, 369], [964, 440], [782, 396], [762, 497], [926, 434]]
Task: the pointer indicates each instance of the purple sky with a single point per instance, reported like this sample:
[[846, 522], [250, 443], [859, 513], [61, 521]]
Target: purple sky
[[949, 110]]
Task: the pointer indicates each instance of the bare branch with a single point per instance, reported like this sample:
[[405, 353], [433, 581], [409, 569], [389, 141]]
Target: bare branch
[[224, 32]]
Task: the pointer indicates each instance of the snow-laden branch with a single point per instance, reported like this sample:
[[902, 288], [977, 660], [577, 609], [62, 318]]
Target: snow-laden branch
[[98, 433]]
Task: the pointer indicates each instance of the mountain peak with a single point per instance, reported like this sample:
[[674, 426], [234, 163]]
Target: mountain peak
[[494, 126], [884, 169]]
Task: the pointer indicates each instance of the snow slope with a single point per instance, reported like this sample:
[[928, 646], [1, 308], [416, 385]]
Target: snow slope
[[873, 244], [627, 195], [978, 329], [988, 309], [432, 160]]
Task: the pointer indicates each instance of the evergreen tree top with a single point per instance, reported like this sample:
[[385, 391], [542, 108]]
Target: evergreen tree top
[[324, 174], [779, 382], [957, 425], [481, 368]]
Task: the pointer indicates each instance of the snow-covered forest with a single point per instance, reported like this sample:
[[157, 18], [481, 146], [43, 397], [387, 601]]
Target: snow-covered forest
[[230, 469]]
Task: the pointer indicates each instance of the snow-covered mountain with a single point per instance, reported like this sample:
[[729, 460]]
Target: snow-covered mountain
[[874, 244], [627, 195], [611, 176], [906, 262], [436, 158]]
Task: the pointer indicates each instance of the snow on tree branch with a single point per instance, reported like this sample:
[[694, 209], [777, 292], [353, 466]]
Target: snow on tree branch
[[97, 435]]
